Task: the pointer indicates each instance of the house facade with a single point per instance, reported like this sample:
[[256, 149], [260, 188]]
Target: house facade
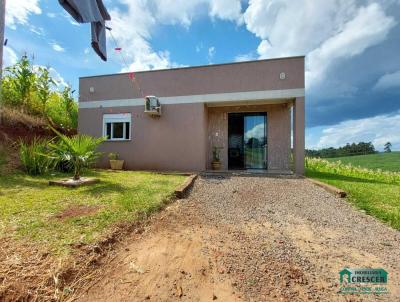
[[252, 111]]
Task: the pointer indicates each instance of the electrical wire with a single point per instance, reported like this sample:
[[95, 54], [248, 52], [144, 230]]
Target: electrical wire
[[124, 61]]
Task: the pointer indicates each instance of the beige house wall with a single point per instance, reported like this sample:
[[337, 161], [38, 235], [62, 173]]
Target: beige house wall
[[278, 132], [221, 78], [174, 142], [195, 105], [182, 139]]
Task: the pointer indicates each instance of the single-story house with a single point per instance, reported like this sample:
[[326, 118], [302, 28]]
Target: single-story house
[[253, 111]]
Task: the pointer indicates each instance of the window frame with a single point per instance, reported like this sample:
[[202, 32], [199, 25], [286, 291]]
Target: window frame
[[117, 118]]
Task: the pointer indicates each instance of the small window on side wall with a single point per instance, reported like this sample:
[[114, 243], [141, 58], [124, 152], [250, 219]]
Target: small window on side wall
[[117, 127]]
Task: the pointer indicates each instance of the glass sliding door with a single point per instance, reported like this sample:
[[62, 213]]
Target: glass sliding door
[[255, 140], [247, 141]]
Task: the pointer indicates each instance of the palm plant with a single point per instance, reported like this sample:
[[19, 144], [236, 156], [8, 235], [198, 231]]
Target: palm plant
[[79, 151]]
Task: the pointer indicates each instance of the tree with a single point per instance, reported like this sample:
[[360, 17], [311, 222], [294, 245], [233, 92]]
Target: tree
[[70, 105], [361, 148], [388, 147], [23, 79], [79, 151], [32, 90], [43, 86]]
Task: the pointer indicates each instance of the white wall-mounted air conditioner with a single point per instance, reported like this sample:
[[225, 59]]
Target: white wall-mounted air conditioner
[[152, 105]]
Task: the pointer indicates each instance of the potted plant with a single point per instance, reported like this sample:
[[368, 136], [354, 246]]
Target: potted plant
[[216, 162], [115, 163]]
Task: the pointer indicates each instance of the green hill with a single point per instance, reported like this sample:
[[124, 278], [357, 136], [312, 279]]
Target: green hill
[[384, 161]]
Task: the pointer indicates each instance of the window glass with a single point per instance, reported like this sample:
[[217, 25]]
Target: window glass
[[118, 130], [117, 126]]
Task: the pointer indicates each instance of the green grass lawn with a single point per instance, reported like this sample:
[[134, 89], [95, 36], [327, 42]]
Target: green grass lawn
[[385, 161], [377, 194], [30, 208]]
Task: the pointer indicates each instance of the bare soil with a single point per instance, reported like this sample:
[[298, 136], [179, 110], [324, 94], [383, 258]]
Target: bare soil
[[77, 211], [249, 239]]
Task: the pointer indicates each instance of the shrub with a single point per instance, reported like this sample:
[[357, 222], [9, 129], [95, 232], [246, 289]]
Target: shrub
[[32, 90], [79, 151], [35, 156], [58, 111]]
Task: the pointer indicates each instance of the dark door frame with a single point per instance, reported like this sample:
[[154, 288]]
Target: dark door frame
[[236, 150]]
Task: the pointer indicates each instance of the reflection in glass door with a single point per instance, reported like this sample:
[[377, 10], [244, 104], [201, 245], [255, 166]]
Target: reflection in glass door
[[255, 141]]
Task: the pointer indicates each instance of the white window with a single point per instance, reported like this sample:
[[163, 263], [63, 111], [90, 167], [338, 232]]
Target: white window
[[117, 127]]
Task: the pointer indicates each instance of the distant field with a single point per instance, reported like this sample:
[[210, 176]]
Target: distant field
[[384, 161]]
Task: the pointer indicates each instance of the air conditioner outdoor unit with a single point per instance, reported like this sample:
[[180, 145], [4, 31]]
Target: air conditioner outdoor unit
[[152, 105]]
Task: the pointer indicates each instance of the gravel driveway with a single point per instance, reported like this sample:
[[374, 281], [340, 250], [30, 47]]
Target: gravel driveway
[[251, 239]]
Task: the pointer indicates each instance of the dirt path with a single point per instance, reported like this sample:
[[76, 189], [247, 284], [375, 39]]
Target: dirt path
[[250, 239]]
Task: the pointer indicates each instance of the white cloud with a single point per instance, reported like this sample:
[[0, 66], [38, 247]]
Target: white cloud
[[245, 57], [67, 16], [295, 27], [183, 11], [211, 53], [227, 10], [18, 11], [326, 31], [132, 29], [199, 47], [378, 130], [133, 26], [264, 48], [175, 11], [54, 74], [9, 57], [369, 27], [57, 77], [389, 80], [257, 131], [57, 47], [36, 30], [74, 23]]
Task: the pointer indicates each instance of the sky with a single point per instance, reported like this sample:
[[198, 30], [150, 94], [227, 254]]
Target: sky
[[352, 50]]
